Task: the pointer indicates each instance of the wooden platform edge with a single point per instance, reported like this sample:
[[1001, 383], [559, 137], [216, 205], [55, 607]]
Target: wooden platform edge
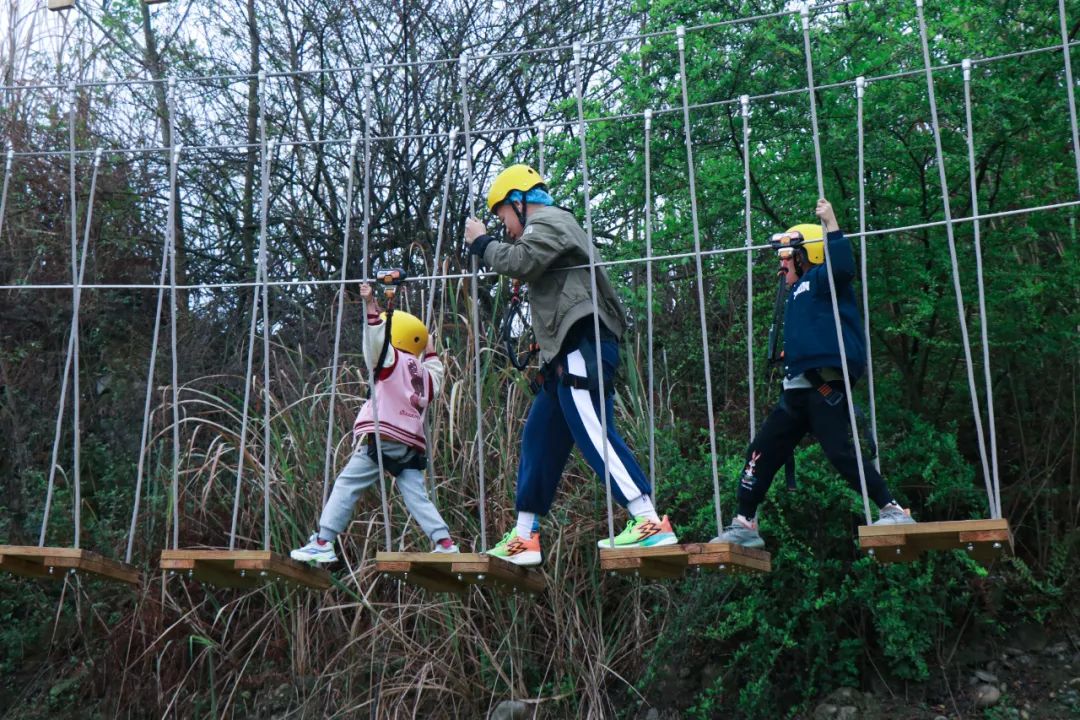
[[230, 568], [426, 576], [734, 558], [22, 568], [667, 562], [671, 554], [455, 572], [526, 578], [35, 561], [933, 528], [650, 562], [985, 540], [299, 573], [216, 554]]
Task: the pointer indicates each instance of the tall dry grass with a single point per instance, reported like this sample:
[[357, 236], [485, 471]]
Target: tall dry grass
[[372, 646]]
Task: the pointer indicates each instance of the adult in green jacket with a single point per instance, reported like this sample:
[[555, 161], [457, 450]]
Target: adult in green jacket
[[550, 251]]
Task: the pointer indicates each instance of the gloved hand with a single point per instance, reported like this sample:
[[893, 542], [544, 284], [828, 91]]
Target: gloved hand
[[476, 237]]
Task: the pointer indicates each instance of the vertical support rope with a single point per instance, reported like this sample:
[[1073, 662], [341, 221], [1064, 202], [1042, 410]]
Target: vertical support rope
[[541, 135], [56, 445], [174, 369], [805, 12], [264, 211], [649, 302], [995, 492], [860, 89], [579, 91], [73, 346], [947, 207], [365, 270], [4, 193], [463, 77], [369, 100], [75, 331], [744, 103], [54, 458], [248, 375], [430, 309], [328, 455], [680, 34], [373, 371], [249, 370], [1069, 88], [140, 471], [71, 335], [76, 293]]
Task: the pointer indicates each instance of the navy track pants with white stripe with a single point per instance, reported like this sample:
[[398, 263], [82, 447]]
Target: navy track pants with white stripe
[[571, 416]]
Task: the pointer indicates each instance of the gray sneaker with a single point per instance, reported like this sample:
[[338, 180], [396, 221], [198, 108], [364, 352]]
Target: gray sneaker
[[894, 515], [737, 533]]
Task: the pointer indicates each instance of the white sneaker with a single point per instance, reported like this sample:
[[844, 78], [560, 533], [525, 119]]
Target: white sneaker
[[445, 550], [315, 551]]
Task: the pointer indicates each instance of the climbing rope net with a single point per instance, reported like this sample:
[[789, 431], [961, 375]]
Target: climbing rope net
[[461, 143]]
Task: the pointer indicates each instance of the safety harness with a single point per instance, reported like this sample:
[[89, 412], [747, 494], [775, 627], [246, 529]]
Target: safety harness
[[413, 460]]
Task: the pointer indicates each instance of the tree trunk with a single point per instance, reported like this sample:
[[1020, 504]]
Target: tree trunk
[[156, 66], [248, 229]]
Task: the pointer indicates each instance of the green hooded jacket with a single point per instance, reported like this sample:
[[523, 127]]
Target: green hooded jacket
[[549, 256]]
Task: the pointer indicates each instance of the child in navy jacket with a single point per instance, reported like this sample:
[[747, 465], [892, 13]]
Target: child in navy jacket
[[813, 397]]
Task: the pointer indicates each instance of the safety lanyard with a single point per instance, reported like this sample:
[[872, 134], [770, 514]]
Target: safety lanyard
[[515, 319]]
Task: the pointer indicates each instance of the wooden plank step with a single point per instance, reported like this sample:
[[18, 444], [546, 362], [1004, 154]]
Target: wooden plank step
[[658, 563], [729, 557], [456, 572], [34, 561], [243, 568], [986, 540]]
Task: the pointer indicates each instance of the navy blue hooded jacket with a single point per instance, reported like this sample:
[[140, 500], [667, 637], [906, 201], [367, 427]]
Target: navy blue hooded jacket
[[809, 328]]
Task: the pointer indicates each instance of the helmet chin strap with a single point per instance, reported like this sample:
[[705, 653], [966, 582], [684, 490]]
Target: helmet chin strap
[[520, 213], [801, 262]]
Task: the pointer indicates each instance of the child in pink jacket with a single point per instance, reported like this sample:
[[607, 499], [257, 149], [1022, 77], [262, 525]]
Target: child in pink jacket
[[408, 376]]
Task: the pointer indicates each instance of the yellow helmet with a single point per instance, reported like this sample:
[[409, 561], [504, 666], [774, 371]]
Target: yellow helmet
[[515, 177], [407, 333], [811, 241]]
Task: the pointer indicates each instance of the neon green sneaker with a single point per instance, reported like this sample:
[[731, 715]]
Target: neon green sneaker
[[516, 549], [643, 533]]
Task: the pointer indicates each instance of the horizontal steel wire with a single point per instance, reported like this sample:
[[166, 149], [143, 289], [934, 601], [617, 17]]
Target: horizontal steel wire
[[605, 263], [550, 124], [562, 47]]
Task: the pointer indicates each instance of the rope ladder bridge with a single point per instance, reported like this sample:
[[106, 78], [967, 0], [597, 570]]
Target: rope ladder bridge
[[984, 539]]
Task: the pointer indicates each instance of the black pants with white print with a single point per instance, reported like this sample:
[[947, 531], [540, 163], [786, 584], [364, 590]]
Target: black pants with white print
[[800, 412]]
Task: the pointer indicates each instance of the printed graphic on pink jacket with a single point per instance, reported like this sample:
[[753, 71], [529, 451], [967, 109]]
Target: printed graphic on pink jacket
[[404, 390], [416, 379]]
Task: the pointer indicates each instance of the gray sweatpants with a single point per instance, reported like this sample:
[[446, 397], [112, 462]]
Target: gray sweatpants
[[361, 472]]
